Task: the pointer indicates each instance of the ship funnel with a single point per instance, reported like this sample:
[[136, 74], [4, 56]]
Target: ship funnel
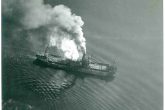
[[85, 61], [83, 57]]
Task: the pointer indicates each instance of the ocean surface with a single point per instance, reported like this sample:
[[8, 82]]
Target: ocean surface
[[137, 85], [131, 38]]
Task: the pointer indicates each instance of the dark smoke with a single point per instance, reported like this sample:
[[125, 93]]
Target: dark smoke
[[33, 24]]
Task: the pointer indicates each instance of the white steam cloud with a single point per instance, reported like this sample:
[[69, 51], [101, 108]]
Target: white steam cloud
[[64, 28]]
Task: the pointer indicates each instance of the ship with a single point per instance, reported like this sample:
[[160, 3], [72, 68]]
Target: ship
[[87, 66]]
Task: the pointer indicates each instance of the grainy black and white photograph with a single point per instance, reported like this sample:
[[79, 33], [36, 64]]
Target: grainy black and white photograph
[[82, 54]]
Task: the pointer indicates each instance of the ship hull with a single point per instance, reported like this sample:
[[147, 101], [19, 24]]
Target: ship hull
[[79, 70]]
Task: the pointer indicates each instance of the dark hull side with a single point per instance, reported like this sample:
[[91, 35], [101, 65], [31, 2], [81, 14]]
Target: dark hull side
[[75, 70]]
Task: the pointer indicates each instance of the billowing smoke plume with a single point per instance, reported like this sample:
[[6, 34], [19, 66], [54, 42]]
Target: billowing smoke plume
[[63, 29]]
